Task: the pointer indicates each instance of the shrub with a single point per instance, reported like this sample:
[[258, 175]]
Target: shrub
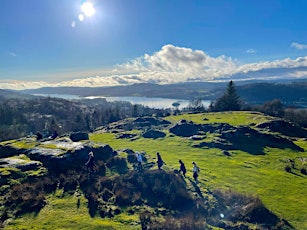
[[288, 168], [118, 164], [303, 170], [23, 198], [188, 222]]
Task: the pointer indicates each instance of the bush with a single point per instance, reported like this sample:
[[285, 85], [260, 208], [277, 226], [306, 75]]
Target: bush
[[303, 171], [118, 164], [288, 168], [188, 221]]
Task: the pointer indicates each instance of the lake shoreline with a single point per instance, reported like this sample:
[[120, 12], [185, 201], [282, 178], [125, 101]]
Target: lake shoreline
[[153, 102]]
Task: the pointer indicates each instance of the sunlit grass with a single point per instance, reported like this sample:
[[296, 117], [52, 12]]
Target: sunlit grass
[[258, 175], [233, 118], [65, 213]]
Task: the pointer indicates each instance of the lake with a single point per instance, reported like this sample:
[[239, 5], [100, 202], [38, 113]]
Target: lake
[[153, 102]]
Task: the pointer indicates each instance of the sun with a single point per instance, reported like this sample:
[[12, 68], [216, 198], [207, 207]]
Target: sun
[[88, 9]]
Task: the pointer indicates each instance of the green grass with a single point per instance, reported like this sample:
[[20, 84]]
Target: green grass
[[233, 118], [63, 213], [258, 175], [23, 144]]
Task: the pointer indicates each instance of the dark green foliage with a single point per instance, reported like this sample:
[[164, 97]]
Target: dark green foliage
[[118, 164], [196, 106], [21, 116], [238, 208], [230, 101], [273, 108], [23, 198], [288, 168], [297, 116], [158, 188]]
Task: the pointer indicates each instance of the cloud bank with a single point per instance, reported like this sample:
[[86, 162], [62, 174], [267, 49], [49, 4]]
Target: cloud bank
[[173, 64], [298, 46]]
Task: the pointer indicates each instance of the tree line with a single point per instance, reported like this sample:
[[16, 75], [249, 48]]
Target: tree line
[[24, 116], [21, 117], [231, 101]]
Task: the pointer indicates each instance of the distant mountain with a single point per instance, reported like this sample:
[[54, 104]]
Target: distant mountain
[[14, 94], [260, 92], [179, 91], [250, 91]]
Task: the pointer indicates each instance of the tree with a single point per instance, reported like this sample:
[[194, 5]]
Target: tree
[[196, 105], [176, 105], [230, 101], [274, 108]]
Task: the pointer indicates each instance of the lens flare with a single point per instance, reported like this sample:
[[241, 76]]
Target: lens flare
[[81, 17], [88, 9]]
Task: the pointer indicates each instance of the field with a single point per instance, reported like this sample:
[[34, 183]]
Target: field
[[263, 175]]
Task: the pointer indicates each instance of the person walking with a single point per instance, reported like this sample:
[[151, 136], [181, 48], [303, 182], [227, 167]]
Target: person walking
[[160, 162], [90, 161], [139, 160], [196, 171], [182, 168]]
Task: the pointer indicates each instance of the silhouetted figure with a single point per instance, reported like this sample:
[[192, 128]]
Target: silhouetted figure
[[139, 160], [39, 136], [182, 168], [54, 135], [195, 172], [90, 162], [160, 162]]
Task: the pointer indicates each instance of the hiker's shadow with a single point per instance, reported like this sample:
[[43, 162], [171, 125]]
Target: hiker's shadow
[[196, 188]]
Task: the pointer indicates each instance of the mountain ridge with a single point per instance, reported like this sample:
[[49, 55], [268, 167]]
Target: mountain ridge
[[250, 92]]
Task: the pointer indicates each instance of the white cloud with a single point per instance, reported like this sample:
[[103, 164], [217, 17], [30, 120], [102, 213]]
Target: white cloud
[[178, 64], [251, 51], [298, 46], [174, 64]]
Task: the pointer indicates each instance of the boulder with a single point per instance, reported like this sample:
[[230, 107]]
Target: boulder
[[126, 135], [283, 127], [149, 121], [153, 134], [185, 129], [21, 164], [196, 137], [9, 151], [79, 136]]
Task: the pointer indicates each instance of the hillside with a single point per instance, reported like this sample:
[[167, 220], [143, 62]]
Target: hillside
[[291, 92], [252, 175]]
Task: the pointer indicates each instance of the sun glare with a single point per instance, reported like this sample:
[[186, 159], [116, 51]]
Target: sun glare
[[88, 9]]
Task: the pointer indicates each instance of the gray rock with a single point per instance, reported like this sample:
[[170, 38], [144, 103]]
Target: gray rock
[[79, 136], [185, 129], [153, 134], [21, 164]]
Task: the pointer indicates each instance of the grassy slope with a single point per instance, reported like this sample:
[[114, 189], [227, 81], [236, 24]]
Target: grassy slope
[[261, 175], [62, 212]]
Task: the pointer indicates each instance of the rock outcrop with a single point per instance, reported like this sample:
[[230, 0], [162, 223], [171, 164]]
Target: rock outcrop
[[283, 127]]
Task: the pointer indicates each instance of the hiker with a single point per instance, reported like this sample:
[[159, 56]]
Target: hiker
[[182, 168], [160, 162], [139, 160], [39, 136], [54, 135], [195, 172], [90, 162]]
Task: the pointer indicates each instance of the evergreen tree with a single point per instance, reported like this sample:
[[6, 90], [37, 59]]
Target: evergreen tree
[[230, 101]]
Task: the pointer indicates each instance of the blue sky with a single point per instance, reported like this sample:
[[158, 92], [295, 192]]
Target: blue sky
[[48, 43]]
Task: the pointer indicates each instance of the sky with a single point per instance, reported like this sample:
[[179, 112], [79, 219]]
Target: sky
[[119, 42]]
